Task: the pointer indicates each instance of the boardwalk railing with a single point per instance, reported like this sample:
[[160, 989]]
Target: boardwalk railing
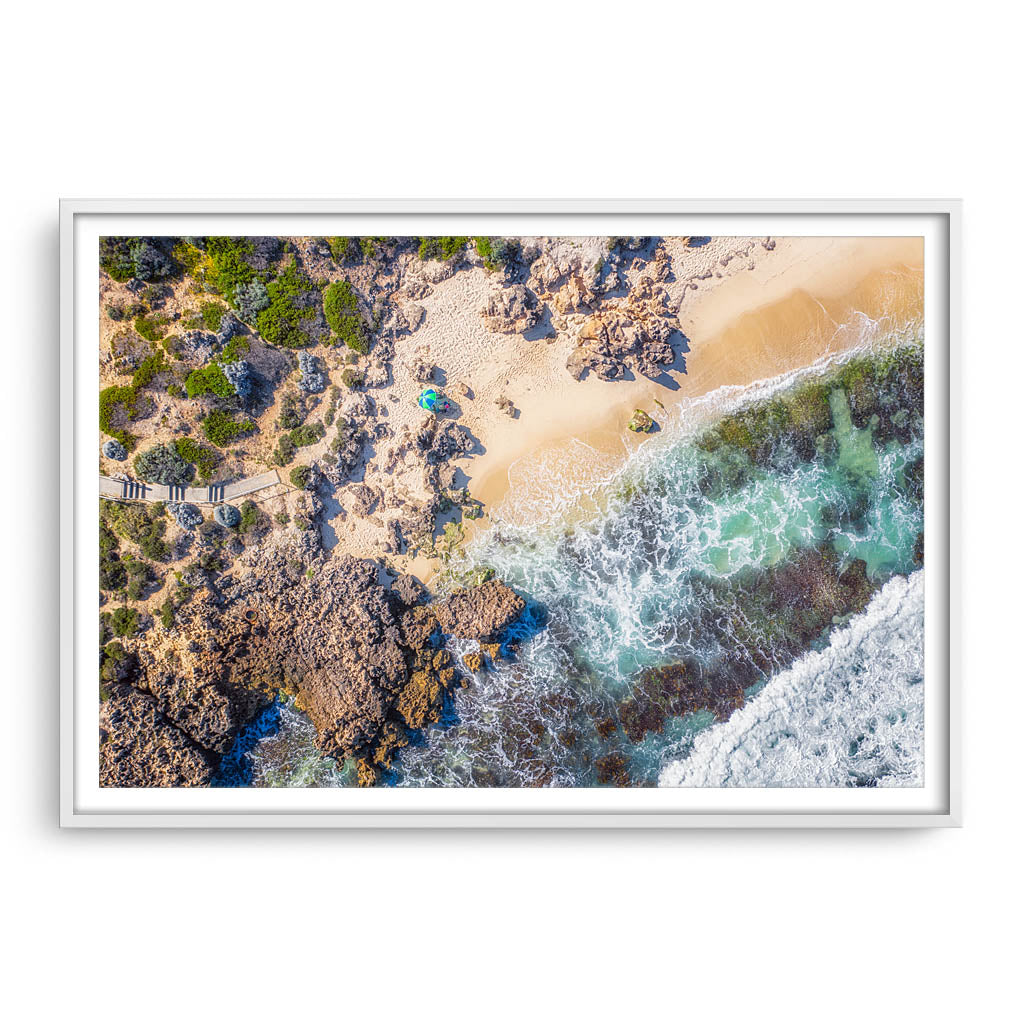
[[134, 490]]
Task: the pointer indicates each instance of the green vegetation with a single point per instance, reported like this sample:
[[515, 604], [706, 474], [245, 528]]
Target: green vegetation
[[210, 313], [150, 327], [222, 429], [167, 614], [351, 377], [289, 296], [341, 307], [124, 621], [163, 465], [205, 459], [143, 525], [442, 247], [293, 411], [307, 434], [332, 405], [208, 380], [235, 349], [229, 267], [253, 520], [124, 401], [350, 249], [299, 476], [496, 252]]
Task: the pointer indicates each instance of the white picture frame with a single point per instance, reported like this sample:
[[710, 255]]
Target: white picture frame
[[938, 220]]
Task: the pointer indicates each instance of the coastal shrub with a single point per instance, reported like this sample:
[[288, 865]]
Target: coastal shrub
[[299, 476], [252, 518], [208, 380], [124, 621], [344, 249], [239, 376], [227, 515], [291, 297], [124, 258], [143, 525], [138, 574], [115, 450], [442, 247], [205, 459], [251, 299], [221, 429], [341, 308], [234, 350], [307, 434], [190, 255], [229, 263], [163, 465], [293, 410], [119, 404], [351, 377], [112, 572], [155, 295], [211, 314], [167, 614], [285, 451], [496, 252], [312, 378], [186, 515]]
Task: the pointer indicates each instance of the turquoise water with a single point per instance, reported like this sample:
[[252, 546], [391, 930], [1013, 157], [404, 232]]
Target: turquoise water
[[665, 574]]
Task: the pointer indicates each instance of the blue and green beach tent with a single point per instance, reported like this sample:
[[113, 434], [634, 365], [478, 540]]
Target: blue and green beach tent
[[429, 399]]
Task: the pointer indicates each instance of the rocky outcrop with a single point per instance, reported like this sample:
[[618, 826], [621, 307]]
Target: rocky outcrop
[[479, 613], [141, 747], [511, 310], [364, 661], [634, 335]]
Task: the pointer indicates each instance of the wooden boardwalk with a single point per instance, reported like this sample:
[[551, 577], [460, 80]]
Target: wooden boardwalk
[[214, 494]]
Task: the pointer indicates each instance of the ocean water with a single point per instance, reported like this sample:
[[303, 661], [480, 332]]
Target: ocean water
[[669, 560]]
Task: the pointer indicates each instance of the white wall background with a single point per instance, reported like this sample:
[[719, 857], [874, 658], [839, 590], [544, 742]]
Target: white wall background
[[532, 99]]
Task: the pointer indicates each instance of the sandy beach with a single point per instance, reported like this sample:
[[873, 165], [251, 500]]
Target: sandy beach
[[746, 316]]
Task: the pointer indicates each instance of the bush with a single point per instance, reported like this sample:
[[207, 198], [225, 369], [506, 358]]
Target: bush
[[252, 517], [291, 296], [142, 524], [311, 379], [496, 252], [227, 515], [299, 477], [222, 429], [205, 459], [307, 434], [285, 451], [115, 450], [443, 247], [208, 380], [163, 465], [293, 411], [233, 351], [351, 377], [210, 313], [150, 327], [251, 299], [167, 614], [230, 266], [124, 258], [341, 307], [187, 516], [124, 621], [239, 376]]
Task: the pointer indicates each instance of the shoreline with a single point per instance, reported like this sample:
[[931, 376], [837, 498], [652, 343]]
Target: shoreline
[[794, 307]]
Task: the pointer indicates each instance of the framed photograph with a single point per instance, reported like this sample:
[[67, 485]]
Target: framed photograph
[[603, 514]]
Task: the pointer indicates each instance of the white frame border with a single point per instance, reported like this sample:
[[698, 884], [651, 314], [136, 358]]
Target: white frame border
[[70, 816]]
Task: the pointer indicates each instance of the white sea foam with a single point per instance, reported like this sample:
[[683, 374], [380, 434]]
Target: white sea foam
[[850, 714]]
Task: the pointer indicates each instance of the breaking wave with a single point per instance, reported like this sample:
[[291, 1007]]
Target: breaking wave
[[851, 714]]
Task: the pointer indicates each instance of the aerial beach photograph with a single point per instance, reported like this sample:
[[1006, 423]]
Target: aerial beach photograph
[[545, 511]]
